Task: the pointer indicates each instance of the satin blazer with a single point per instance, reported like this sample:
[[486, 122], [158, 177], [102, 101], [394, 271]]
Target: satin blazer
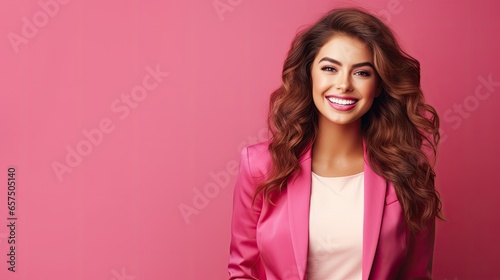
[[270, 242]]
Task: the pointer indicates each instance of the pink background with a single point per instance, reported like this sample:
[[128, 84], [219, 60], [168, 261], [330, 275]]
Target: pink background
[[117, 214]]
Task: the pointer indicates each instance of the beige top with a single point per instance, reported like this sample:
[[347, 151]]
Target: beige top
[[336, 227]]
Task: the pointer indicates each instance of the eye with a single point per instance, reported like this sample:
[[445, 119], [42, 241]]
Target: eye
[[328, 68], [363, 73]]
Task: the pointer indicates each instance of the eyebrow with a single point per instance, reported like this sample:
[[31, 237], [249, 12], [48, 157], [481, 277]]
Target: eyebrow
[[340, 64]]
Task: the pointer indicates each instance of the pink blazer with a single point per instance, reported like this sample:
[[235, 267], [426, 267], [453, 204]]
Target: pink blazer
[[271, 242]]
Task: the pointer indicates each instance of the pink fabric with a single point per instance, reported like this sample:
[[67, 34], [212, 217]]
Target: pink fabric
[[271, 242]]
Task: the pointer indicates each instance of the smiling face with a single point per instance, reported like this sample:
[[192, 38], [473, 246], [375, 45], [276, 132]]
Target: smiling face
[[344, 81]]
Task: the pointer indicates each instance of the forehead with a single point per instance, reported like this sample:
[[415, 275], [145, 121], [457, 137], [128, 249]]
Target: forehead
[[345, 48]]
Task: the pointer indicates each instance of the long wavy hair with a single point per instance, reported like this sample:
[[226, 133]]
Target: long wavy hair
[[400, 130]]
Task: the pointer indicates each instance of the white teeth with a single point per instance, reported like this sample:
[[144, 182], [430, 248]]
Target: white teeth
[[341, 101]]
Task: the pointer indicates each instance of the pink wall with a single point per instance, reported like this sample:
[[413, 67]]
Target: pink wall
[[142, 105]]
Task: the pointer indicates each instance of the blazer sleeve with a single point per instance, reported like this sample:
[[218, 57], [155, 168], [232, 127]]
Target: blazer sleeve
[[418, 263], [244, 261]]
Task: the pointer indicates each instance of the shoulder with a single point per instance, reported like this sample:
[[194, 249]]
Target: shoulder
[[259, 158]]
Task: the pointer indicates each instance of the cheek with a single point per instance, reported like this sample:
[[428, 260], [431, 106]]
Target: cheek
[[319, 83], [368, 88]]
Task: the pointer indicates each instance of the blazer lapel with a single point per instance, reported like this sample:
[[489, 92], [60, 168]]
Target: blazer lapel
[[299, 196], [374, 201]]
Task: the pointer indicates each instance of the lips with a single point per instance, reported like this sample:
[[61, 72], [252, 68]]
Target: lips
[[344, 104]]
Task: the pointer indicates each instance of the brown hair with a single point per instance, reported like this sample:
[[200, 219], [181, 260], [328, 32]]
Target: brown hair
[[397, 129]]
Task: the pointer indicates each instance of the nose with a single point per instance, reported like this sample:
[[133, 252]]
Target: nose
[[343, 82]]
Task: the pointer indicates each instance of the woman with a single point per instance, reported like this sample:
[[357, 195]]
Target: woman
[[344, 189]]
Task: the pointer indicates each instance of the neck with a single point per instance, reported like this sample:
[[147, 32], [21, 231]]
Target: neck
[[335, 141]]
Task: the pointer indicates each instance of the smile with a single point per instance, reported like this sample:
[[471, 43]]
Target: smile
[[340, 101]]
